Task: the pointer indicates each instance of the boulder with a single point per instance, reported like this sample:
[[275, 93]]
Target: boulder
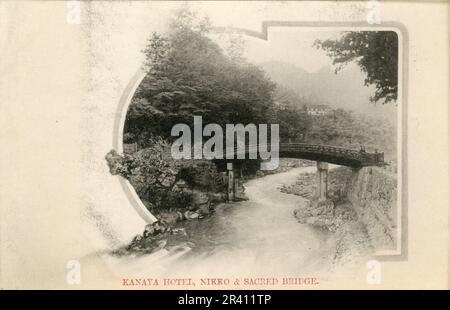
[[179, 232], [167, 179], [217, 197], [154, 229], [170, 218], [190, 215], [316, 211], [137, 238], [204, 209], [180, 185], [159, 244], [199, 198]]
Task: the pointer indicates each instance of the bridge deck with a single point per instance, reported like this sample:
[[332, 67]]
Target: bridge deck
[[325, 153]]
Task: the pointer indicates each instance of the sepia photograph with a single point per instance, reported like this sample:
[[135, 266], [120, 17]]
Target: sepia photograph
[[246, 146], [321, 103]]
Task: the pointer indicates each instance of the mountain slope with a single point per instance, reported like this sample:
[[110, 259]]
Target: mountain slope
[[345, 89]]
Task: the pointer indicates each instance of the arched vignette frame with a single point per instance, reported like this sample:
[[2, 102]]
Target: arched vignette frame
[[401, 253]]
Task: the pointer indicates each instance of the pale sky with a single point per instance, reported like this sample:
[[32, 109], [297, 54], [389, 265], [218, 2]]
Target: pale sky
[[286, 44], [292, 46]]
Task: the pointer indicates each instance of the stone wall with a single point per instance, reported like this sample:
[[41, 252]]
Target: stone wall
[[373, 193]]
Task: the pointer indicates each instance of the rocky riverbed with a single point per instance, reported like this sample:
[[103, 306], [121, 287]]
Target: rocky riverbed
[[280, 215], [337, 214], [255, 237], [170, 229]]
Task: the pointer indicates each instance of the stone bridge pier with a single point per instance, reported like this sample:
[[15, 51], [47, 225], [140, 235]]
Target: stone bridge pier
[[322, 180], [231, 183]]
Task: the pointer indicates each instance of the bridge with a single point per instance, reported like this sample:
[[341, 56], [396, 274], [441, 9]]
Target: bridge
[[331, 154], [322, 154]]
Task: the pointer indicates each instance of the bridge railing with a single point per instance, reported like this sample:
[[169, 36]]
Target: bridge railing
[[325, 149], [330, 150]]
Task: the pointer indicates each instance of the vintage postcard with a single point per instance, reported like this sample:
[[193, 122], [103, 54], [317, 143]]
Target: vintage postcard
[[224, 145]]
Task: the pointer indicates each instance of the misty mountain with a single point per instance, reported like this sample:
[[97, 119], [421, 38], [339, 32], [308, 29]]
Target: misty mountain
[[344, 90]]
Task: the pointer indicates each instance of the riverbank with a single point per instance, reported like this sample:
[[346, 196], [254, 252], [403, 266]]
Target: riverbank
[[358, 210], [172, 225], [255, 237], [335, 214], [341, 231]]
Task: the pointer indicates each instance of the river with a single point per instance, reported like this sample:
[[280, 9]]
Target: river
[[259, 237]]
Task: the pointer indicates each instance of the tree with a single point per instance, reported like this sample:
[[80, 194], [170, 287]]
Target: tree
[[376, 52], [189, 74], [294, 123], [290, 112]]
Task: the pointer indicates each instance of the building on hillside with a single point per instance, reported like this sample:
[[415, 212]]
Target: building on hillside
[[319, 110]]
